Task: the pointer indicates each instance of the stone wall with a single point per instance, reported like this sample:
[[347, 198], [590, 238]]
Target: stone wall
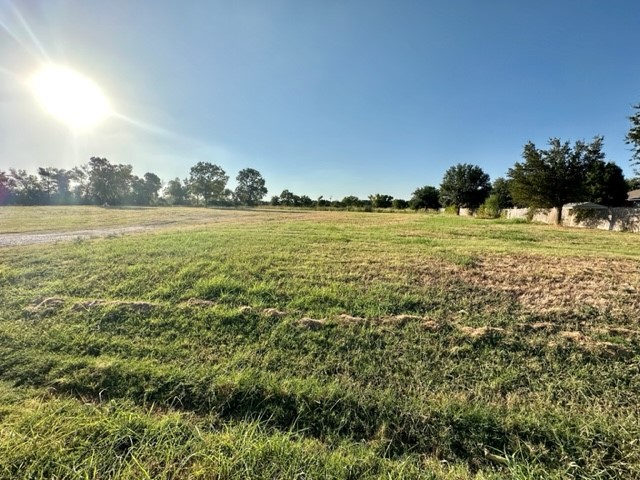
[[616, 219]]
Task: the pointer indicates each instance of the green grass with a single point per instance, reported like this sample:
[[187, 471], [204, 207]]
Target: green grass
[[173, 389]]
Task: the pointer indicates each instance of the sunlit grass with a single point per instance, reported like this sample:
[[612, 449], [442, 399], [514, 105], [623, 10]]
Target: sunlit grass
[[444, 348]]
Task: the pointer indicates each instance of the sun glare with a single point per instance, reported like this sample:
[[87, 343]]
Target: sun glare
[[70, 97]]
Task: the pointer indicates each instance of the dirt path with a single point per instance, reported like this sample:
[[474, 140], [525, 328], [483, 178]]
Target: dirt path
[[15, 239]]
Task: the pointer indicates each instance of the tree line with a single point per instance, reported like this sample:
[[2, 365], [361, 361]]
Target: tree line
[[101, 182], [545, 178]]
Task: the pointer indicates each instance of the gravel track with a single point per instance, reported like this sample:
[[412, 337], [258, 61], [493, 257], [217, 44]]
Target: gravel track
[[16, 239]]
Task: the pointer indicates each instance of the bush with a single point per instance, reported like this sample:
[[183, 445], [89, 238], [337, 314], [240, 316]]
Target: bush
[[490, 208], [451, 210]]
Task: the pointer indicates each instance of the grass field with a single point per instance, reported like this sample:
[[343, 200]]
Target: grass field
[[274, 344]]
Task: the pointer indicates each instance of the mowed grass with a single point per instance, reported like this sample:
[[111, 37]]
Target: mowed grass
[[271, 344], [78, 218]]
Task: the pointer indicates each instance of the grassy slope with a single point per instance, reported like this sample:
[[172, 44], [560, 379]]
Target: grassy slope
[[170, 389]]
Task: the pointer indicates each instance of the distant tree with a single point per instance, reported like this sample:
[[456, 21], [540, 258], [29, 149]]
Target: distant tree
[[633, 183], [64, 180], [138, 195], [152, 184], [501, 193], [144, 191], [605, 184], [56, 183], [288, 198], [207, 180], [321, 202], [6, 188], [553, 177], [177, 191], [464, 186], [49, 185], [633, 138], [351, 201], [110, 184], [275, 201], [425, 198], [380, 200], [80, 186], [399, 204], [27, 189], [305, 201], [228, 197], [251, 187]]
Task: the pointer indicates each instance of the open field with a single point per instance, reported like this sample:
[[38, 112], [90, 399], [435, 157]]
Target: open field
[[274, 344], [17, 220]]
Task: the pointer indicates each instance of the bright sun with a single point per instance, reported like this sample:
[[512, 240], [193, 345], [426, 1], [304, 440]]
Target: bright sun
[[70, 97]]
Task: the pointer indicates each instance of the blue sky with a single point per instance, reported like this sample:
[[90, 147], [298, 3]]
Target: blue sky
[[331, 97]]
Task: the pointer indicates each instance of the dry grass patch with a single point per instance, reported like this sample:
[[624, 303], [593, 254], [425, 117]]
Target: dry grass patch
[[544, 284], [133, 306], [588, 343], [43, 307], [622, 331], [199, 302], [310, 323], [481, 332], [537, 326], [400, 319], [431, 325], [350, 318], [403, 318], [51, 303], [273, 312]]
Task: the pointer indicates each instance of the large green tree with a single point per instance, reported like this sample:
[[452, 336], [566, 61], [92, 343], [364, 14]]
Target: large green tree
[[177, 191], [553, 177], [501, 193], [605, 184], [152, 184], [464, 186], [426, 197], [251, 187], [208, 180], [144, 191], [108, 183], [633, 137]]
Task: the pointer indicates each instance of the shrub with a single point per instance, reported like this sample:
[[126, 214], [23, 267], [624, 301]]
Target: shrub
[[490, 208], [451, 210]]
